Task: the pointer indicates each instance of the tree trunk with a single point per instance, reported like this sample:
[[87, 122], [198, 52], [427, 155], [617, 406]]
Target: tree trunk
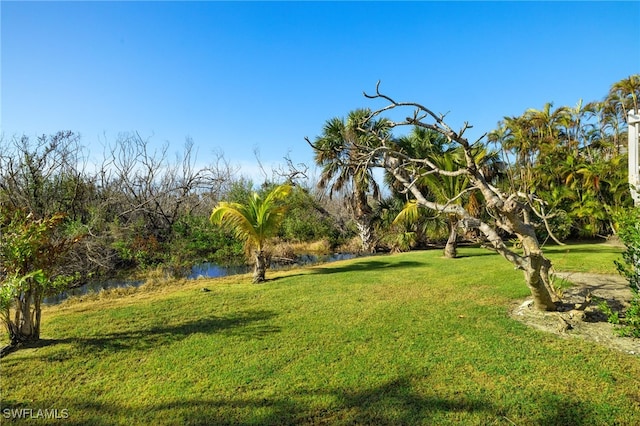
[[451, 248], [26, 324], [37, 312], [261, 267], [366, 236], [362, 215], [537, 276]]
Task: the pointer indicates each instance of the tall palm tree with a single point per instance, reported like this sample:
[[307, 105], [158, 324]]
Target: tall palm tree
[[254, 222], [625, 95], [337, 150], [547, 125], [528, 138], [515, 138]]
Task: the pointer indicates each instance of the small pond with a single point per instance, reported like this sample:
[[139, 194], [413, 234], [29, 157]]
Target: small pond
[[203, 270]]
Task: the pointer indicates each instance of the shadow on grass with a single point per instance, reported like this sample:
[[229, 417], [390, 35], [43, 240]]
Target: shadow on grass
[[366, 265], [572, 249], [395, 402], [486, 252], [250, 324], [392, 403], [562, 410], [360, 266]]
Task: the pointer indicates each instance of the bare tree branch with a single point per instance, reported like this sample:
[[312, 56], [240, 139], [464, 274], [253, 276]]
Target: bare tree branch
[[510, 214]]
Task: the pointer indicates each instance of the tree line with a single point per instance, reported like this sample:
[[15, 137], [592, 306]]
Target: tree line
[[66, 220], [569, 161], [550, 173]]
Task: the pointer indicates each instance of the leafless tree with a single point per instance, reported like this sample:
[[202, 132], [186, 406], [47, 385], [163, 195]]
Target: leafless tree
[[44, 175], [139, 183], [292, 173], [508, 210]]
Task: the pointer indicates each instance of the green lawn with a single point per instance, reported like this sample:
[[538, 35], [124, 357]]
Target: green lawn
[[400, 339], [596, 258]]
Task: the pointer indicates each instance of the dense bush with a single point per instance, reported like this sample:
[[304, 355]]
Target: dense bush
[[629, 233], [196, 240], [307, 221]]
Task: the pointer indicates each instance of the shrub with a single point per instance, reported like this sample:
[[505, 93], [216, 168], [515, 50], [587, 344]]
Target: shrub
[[307, 221], [195, 240], [629, 233]]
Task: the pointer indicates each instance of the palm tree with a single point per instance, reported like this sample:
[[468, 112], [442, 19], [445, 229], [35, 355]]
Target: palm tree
[[254, 222], [336, 151], [625, 95], [431, 145], [545, 124]]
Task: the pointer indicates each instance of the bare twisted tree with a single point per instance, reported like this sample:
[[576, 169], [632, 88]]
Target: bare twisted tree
[[509, 210]]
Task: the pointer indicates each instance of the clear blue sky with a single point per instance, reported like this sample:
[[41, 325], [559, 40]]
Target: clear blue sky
[[240, 76]]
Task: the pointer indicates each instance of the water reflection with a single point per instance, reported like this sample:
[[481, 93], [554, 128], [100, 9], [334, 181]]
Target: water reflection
[[211, 270], [203, 270]]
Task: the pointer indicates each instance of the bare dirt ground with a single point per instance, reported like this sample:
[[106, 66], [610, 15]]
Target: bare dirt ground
[[583, 320]]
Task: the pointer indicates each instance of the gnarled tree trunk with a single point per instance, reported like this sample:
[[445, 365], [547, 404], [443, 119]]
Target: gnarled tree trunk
[[508, 214], [537, 277]]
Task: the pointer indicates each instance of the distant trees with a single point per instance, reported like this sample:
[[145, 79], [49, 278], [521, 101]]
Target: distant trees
[[308, 220], [573, 159], [255, 221], [147, 194], [45, 176], [624, 96]]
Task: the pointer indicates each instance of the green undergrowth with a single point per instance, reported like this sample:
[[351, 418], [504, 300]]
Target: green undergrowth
[[397, 339]]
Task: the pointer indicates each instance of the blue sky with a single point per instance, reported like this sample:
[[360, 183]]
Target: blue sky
[[241, 76]]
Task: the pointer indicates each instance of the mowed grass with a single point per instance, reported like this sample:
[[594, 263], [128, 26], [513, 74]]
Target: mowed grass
[[397, 339], [580, 257]]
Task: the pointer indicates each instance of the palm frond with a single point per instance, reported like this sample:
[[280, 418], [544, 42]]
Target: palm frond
[[236, 217], [255, 221], [409, 213]]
